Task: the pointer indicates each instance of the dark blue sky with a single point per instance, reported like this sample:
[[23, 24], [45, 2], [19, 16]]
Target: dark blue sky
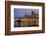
[[18, 12]]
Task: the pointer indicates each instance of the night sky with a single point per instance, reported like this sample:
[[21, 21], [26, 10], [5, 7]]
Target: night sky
[[18, 12]]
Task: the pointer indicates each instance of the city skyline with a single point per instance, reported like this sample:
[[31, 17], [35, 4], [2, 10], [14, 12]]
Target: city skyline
[[21, 12]]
